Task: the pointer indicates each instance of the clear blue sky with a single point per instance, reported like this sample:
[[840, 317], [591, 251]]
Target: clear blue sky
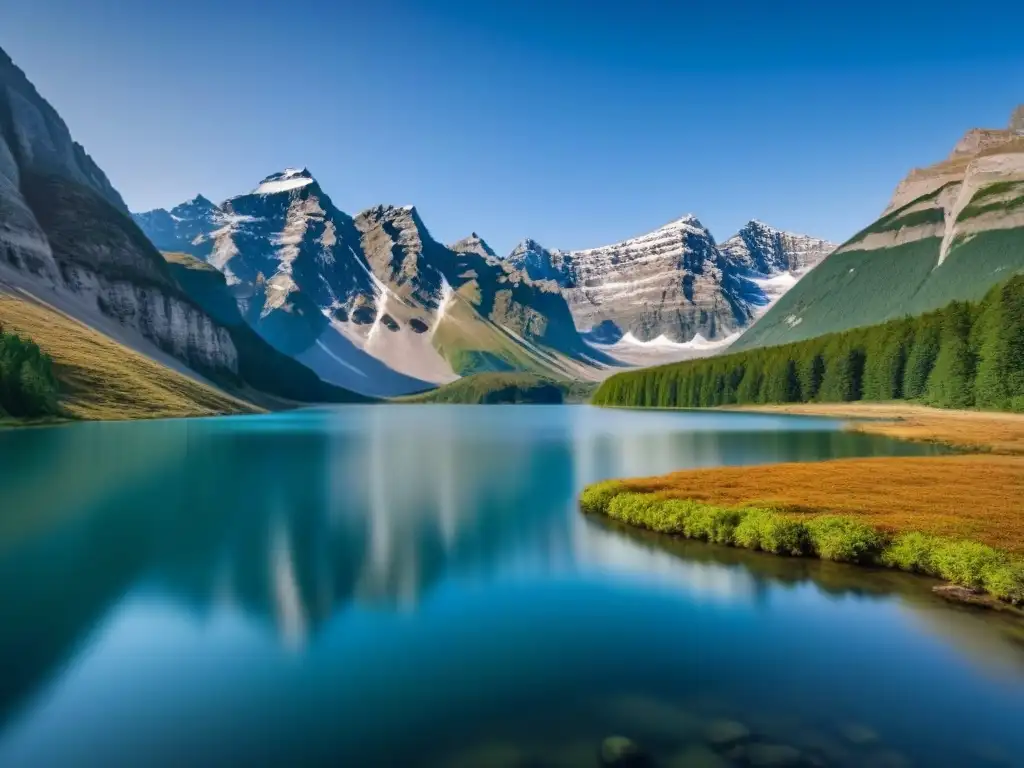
[[576, 123]]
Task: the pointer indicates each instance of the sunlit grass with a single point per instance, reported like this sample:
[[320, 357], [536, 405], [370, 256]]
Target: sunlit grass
[[957, 518], [102, 379]]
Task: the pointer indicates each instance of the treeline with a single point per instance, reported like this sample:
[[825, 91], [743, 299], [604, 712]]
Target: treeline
[[28, 386], [961, 356]]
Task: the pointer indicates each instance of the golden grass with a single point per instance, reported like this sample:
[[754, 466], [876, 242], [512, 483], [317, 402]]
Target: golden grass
[[980, 497], [188, 261], [102, 379], [990, 431]]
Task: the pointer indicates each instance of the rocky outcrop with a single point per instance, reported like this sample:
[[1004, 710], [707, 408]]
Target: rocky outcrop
[[673, 283], [766, 251], [358, 297], [976, 143], [65, 234]]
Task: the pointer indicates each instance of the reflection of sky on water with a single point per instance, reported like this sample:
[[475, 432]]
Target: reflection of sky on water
[[240, 574]]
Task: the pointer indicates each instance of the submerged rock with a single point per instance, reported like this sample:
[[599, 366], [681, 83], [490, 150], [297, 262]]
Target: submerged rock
[[698, 757], [772, 754], [725, 733], [886, 759], [654, 719], [496, 755], [856, 733], [620, 752]]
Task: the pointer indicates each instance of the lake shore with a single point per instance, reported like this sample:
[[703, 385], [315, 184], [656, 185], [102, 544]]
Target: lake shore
[[986, 431], [955, 517]]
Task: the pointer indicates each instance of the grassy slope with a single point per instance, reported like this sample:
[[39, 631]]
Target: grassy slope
[[473, 344], [857, 288], [510, 387], [102, 379], [975, 497]]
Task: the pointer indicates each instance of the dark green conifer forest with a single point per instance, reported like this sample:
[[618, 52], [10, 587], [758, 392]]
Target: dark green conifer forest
[[28, 386], [961, 356]]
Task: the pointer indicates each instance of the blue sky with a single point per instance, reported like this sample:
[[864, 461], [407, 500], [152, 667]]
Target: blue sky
[[575, 123]]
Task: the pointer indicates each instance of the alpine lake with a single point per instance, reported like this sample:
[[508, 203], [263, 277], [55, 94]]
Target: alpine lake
[[414, 585]]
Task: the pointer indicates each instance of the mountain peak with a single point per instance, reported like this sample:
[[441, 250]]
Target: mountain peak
[[686, 220], [284, 181], [529, 244], [473, 244], [199, 201]]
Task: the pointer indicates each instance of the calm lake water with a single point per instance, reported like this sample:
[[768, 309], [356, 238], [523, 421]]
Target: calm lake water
[[413, 585]]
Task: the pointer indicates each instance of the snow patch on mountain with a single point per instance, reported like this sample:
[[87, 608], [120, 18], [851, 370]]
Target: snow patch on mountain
[[286, 181], [674, 282]]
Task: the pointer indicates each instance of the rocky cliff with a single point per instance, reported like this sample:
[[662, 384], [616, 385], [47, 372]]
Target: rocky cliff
[[950, 232], [372, 302], [673, 284], [66, 236]]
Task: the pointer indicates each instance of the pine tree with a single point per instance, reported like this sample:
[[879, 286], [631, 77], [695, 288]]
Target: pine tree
[[1000, 342], [951, 382], [924, 349]]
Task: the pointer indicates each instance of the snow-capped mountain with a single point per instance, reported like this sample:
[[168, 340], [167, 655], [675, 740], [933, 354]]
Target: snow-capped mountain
[[372, 302], [674, 285]]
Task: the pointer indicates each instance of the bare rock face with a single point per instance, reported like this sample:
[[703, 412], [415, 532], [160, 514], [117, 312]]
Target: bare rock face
[[65, 232], [367, 294], [767, 251], [674, 282], [975, 144]]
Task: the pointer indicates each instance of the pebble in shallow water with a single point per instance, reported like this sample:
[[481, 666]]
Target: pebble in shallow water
[[620, 752], [856, 733], [772, 755], [723, 733], [698, 757]]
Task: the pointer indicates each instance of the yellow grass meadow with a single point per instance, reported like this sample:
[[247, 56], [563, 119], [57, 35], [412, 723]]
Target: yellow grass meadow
[[103, 379], [978, 497]]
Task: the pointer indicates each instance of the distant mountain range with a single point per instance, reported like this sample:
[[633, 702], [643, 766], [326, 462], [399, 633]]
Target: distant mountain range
[[675, 283], [372, 302], [277, 291], [951, 231]]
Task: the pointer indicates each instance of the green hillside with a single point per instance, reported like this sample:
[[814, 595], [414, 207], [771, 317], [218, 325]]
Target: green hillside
[[853, 288], [962, 356], [510, 387]]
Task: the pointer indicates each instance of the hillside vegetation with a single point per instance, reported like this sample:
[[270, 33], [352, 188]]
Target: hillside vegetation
[[28, 385], [956, 518], [962, 356], [97, 378], [510, 387]]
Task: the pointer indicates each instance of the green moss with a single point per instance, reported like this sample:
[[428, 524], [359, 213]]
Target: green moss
[[769, 531], [966, 562], [1005, 581], [844, 540], [596, 498], [833, 537], [911, 552]]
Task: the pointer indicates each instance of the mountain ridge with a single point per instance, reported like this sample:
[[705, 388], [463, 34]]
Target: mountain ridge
[[339, 291], [950, 232], [631, 287]]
